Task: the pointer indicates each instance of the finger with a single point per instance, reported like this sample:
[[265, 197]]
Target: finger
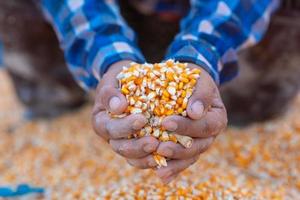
[[99, 120], [203, 94], [112, 99], [142, 163], [174, 167], [123, 127], [176, 151], [135, 148], [212, 124]]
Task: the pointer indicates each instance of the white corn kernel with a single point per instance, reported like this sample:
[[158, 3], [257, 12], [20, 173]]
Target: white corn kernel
[[136, 111], [156, 133], [171, 90]]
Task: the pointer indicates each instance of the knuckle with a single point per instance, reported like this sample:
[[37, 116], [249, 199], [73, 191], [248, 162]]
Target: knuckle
[[123, 149], [130, 162], [182, 124], [110, 130], [149, 140], [209, 129]]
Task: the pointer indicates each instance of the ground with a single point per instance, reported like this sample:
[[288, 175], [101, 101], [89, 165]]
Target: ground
[[64, 156]]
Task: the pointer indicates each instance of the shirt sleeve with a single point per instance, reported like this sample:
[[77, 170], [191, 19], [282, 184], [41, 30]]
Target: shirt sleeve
[[93, 35], [214, 31]]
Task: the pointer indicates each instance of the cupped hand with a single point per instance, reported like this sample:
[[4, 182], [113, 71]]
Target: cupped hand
[[116, 131], [207, 117]]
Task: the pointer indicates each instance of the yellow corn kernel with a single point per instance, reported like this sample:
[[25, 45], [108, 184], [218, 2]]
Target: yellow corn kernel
[[169, 112], [131, 78], [169, 63], [196, 71], [156, 66], [181, 65], [164, 84], [184, 105], [166, 99], [124, 90], [141, 133], [183, 94], [156, 111], [123, 81], [164, 137], [183, 75], [138, 81], [179, 100], [172, 138], [170, 76], [128, 109], [180, 85], [131, 69], [147, 90], [193, 82], [166, 93], [184, 80], [162, 110], [180, 110]]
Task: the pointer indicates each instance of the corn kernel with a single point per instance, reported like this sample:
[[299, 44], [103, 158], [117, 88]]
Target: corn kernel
[[125, 90], [166, 94], [179, 100]]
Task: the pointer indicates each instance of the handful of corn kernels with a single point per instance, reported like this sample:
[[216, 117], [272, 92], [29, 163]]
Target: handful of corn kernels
[[158, 90]]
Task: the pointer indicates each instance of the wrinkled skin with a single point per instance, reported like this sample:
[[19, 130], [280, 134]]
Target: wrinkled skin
[[206, 119]]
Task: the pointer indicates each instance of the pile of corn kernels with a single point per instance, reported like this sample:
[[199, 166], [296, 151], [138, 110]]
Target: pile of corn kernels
[[158, 90], [65, 156]]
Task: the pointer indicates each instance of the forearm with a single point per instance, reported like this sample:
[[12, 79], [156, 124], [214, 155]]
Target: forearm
[[214, 31], [93, 36]]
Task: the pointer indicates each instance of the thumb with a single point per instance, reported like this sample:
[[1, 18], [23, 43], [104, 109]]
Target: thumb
[[200, 101], [112, 99], [108, 94]]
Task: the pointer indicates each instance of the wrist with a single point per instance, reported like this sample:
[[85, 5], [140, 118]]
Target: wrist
[[117, 66]]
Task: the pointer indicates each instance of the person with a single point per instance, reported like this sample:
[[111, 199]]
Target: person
[[97, 39]]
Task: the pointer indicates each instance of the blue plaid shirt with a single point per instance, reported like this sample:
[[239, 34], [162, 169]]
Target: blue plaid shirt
[[94, 35]]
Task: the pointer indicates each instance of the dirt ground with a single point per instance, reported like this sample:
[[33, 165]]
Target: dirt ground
[[64, 156]]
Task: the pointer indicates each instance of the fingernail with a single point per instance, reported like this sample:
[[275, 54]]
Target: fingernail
[[114, 103], [171, 125], [149, 148], [198, 108], [168, 152], [138, 124]]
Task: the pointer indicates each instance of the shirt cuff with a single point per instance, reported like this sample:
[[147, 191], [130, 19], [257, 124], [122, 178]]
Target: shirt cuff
[[198, 52]]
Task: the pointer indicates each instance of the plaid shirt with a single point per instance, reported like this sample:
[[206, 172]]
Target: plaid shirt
[[94, 35]]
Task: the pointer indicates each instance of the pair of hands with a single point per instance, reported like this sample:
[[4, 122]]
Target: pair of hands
[[206, 119]]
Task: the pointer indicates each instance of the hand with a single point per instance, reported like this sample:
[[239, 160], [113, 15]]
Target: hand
[[207, 118], [138, 152]]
